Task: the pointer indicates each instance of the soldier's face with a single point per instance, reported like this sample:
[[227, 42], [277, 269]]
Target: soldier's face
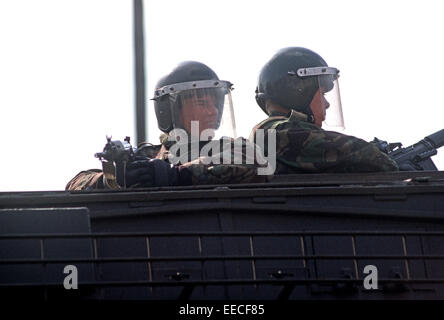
[[202, 109], [319, 106]]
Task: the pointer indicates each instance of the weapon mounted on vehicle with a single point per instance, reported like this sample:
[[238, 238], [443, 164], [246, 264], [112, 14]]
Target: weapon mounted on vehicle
[[416, 156]]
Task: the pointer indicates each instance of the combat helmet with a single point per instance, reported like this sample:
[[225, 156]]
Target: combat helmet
[[187, 79], [292, 77]]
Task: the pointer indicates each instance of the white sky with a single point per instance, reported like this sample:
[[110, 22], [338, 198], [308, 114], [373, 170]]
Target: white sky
[[66, 70]]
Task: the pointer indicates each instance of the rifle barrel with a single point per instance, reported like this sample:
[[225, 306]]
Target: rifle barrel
[[437, 138]]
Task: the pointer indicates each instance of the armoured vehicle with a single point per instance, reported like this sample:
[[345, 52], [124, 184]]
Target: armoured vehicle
[[306, 237], [310, 236]]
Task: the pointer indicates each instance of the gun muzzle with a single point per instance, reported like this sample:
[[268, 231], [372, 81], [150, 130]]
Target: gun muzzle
[[436, 139]]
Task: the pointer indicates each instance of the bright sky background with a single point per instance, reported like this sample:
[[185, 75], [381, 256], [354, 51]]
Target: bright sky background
[[66, 70]]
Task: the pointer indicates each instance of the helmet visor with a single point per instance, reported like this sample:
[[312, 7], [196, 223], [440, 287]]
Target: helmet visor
[[204, 109], [334, 118], [326, 104]]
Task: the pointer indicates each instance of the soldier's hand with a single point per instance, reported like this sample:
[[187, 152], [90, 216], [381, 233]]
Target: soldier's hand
[[146, 172]]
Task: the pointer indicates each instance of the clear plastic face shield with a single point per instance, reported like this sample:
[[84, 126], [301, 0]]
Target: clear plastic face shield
[[326, 104], [204, 109]]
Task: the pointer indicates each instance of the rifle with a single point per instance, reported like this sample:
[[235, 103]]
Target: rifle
[[415, 157], [115, 157]]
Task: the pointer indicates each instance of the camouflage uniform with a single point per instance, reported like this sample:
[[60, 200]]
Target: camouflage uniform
[[197, 169], [301, 146]]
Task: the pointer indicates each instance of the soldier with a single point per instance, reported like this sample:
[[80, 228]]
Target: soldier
[[299, 93], [194, 110], [192, 92]]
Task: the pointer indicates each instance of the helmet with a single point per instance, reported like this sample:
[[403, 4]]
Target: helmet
[[293, 76], [189, 81]]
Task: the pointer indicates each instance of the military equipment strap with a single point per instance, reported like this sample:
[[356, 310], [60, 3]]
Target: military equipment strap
[[109, 176]]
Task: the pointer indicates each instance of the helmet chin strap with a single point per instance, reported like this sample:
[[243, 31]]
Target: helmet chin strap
[[307, 111], [310, 115], [311, 118]]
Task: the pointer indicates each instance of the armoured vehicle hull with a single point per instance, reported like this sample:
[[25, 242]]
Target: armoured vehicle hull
[[297, 237]]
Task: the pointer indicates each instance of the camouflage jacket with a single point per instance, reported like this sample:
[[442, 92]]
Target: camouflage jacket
[[202, 171], [301, 146]]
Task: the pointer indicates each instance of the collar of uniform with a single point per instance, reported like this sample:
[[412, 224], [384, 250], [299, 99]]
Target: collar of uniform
[[278, 114], [293, 115], [298, 116]]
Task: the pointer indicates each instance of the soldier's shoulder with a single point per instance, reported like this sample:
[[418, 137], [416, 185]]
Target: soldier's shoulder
[[341, 137], [271, 122], [86, 180]]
